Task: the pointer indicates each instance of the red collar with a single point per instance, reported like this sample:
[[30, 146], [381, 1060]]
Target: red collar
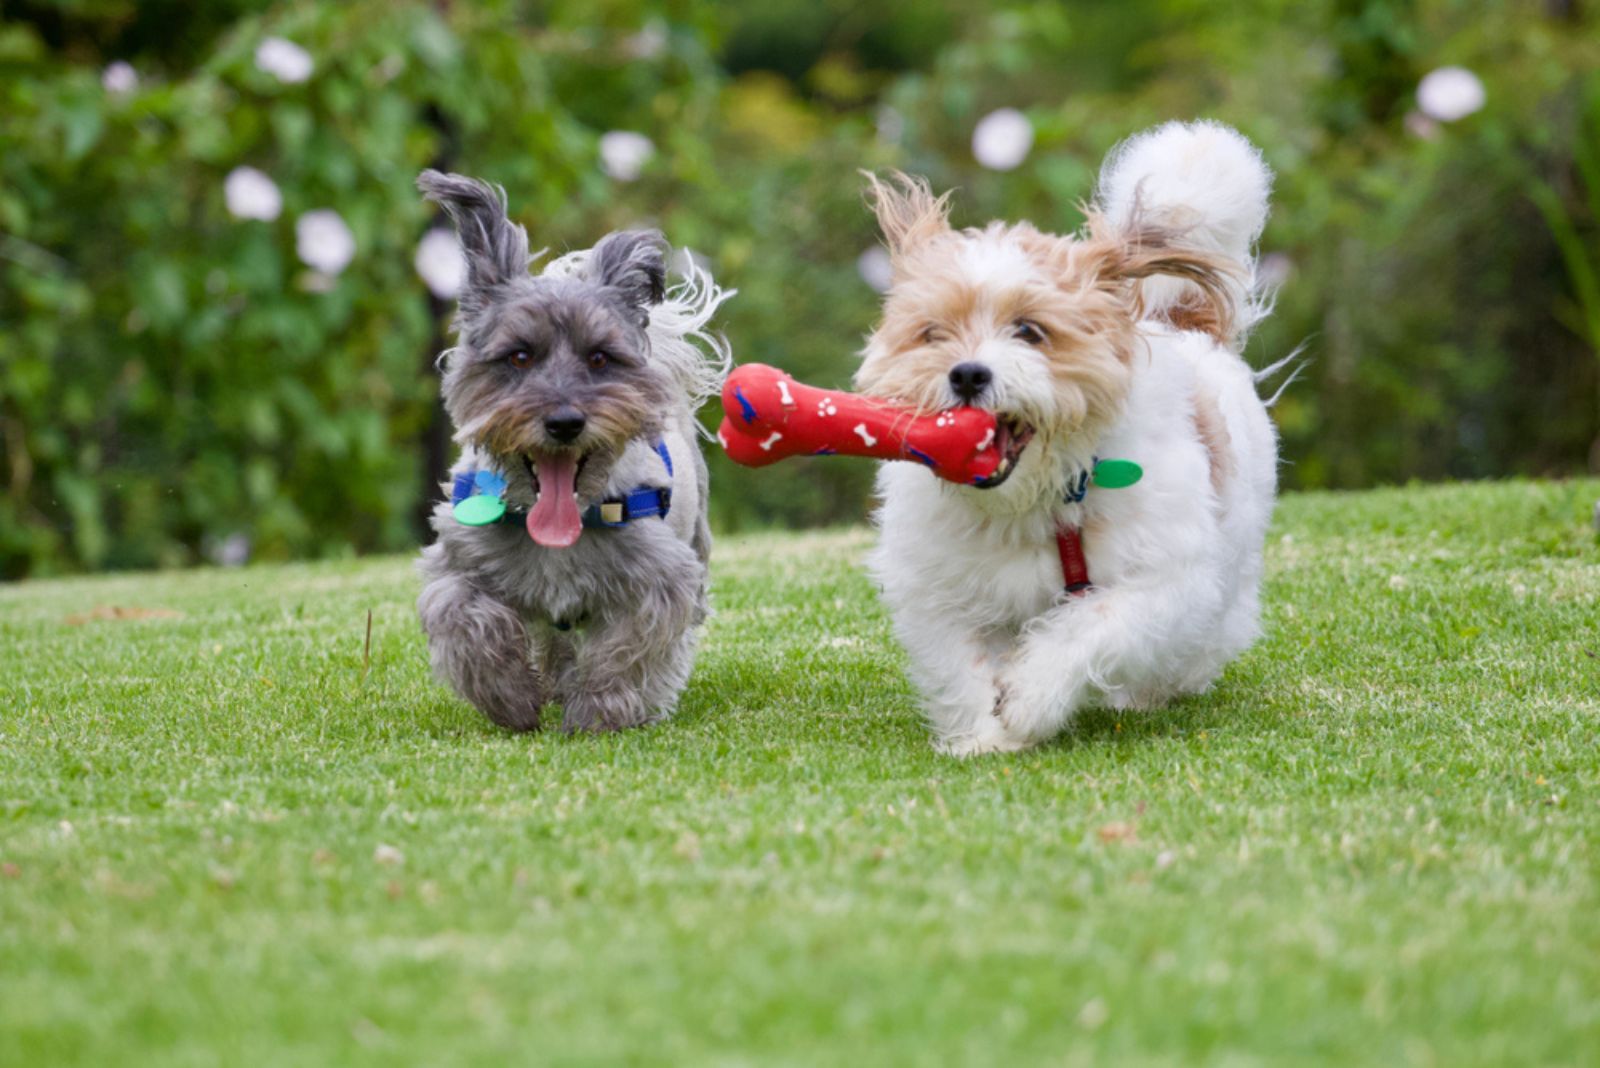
[[1074, 567], [1112, 474]]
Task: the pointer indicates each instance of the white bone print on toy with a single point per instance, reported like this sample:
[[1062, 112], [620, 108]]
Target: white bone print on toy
[[988, 439], [773, 440], [866, 438], [785, 395], [826, 407]]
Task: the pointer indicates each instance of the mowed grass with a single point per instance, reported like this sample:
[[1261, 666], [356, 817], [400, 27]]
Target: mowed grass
[[227, 837]]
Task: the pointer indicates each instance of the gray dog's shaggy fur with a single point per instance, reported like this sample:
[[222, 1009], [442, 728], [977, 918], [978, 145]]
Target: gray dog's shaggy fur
[[605, 627]]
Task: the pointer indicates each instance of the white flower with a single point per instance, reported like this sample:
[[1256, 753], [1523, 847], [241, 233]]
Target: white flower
[[323, 241], [624, 153], [440, 263], [119, 77], [285, 60], [232, 551], [388, 68], [1420, 126], [649, 42], [891, 125], [874, 269], [1002, 139], [250, 194], [1274, 270], [1450, 93]]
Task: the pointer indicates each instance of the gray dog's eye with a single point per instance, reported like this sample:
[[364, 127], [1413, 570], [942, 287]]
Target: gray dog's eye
[[598, 360], [520, 359]]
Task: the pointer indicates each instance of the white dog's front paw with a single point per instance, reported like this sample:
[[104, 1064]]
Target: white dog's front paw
[[1025, 712], [976, 743]]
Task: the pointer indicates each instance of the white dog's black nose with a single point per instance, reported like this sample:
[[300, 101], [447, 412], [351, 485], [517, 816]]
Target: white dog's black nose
[[564, 424], [970, 379]]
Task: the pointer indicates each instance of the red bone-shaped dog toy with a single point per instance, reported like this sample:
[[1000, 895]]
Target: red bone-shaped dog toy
[[768, 416]]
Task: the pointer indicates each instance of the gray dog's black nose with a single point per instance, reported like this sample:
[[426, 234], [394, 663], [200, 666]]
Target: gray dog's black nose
[[970, 379], [564, 424]]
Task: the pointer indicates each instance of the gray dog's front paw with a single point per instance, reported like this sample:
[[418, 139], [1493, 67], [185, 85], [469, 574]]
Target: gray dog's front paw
[[611, 708], [517, 712]]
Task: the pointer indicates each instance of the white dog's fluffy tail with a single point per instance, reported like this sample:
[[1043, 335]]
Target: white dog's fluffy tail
[[1205, 180]]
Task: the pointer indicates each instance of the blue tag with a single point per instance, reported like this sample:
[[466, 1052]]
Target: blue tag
[[490, 483]]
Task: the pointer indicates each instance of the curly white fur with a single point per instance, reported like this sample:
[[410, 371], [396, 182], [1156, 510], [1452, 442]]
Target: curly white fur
[[1204, 179], [1003, 656]]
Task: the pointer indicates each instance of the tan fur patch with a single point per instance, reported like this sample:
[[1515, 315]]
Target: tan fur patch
[[1082, 292], [1196, 317], [937, 317], [1212, 430], [1143, 250]]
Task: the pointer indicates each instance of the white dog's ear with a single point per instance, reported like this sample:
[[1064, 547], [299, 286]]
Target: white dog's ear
[[1122, 256], [908, 212]]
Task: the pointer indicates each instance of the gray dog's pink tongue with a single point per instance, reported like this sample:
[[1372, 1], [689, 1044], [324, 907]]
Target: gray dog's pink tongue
[[554, 520]]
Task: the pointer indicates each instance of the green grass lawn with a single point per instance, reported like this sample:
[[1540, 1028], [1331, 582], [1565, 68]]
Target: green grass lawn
[[227, 838]]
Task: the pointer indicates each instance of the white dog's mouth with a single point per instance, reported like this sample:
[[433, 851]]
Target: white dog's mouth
[[1011, 438]]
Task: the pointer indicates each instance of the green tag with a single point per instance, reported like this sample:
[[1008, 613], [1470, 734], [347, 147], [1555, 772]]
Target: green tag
[[1117, 474], [480, 510]]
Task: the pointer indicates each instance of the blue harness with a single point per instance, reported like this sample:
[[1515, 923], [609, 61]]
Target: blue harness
[[639, 503]]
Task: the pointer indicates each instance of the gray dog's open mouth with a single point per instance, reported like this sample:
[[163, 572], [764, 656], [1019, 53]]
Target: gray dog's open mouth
[[1012, 436], [531, 462], [555, 520]]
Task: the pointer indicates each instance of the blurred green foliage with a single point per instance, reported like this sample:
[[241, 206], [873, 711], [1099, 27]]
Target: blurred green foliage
[[172, 377]]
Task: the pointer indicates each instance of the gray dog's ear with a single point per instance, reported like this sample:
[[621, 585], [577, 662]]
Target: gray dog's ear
[[496, 248], [633, 262]]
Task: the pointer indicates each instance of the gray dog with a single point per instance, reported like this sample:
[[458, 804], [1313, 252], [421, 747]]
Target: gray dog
[[570, 564]]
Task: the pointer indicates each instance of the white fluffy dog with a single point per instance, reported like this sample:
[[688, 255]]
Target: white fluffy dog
[[1120, 343]]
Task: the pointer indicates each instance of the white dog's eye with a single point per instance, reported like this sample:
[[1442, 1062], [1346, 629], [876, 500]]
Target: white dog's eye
[[1028, 331], [930, 334]]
